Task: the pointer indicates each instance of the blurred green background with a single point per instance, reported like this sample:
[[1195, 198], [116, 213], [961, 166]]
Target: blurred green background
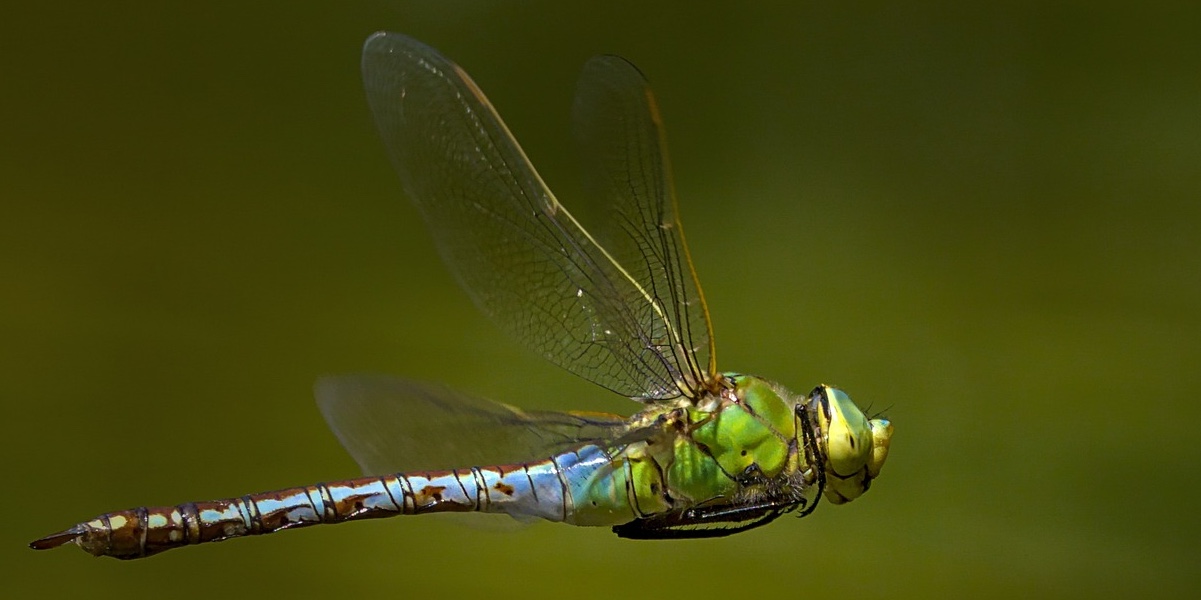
[[983, 219]]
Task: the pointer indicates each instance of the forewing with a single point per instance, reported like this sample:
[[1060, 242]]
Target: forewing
[[392, 425], [520, 255], [624, 151]]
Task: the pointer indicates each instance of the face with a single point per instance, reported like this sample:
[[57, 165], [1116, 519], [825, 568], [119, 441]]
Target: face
[[856, 447]]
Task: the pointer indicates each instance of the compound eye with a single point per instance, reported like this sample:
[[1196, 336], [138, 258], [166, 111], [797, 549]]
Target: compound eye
[[849, 436]]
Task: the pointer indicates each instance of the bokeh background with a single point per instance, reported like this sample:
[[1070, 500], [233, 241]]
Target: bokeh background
[[983, 219]]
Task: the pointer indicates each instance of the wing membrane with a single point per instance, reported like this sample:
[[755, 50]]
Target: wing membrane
[[392, 425], [520, 255], [620, 132]]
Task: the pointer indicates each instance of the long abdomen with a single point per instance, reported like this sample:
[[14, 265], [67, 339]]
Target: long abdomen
[[541, 489]]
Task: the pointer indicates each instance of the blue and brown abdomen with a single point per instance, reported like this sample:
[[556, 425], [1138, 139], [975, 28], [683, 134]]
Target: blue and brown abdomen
[[542, 489]]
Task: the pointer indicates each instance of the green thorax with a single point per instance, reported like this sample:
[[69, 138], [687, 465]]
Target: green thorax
[[737, 443]]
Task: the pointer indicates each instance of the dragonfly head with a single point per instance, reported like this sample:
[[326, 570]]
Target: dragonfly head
[[856, 447]]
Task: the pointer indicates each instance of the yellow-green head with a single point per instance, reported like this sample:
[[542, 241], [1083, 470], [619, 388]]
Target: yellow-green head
[[856, 447]]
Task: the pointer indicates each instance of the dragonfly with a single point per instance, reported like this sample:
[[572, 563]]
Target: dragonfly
[[708, 454]]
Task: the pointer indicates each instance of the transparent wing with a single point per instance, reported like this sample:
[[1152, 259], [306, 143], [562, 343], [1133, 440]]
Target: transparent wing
[[520, 255], [621, 136], [392, 425]]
